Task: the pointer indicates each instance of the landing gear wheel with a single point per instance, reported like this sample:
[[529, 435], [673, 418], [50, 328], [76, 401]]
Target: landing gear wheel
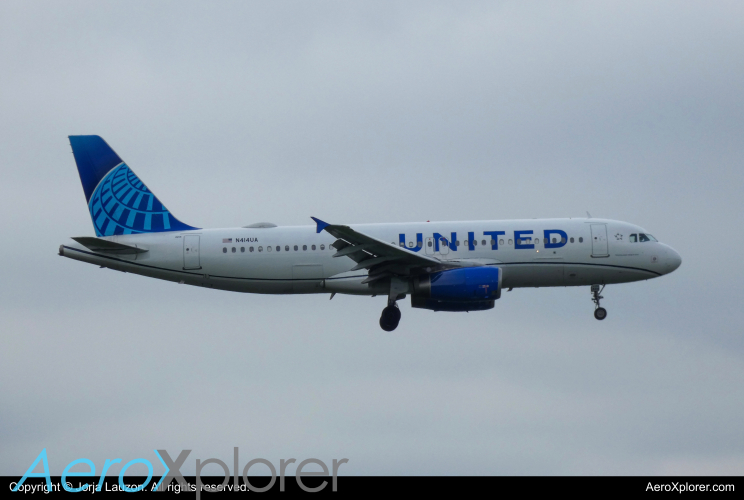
[[599, 312], [390, 318]]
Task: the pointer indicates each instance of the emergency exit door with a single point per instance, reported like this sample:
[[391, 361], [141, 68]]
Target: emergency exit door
[[443, 246], [429, 246]]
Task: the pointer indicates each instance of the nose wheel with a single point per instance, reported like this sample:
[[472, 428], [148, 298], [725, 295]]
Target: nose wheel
[[600, 313], [390, 317]]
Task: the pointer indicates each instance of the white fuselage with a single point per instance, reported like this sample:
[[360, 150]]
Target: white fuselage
[[297, 259]]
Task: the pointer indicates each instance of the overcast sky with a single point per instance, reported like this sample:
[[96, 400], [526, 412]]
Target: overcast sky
[[240, 112]]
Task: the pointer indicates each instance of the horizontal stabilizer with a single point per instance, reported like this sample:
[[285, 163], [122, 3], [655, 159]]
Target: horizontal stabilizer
[[101, 245]]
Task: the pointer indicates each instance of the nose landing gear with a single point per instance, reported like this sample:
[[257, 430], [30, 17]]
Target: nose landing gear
[[600, 313]]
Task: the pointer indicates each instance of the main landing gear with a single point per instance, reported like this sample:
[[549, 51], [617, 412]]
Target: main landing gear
[[390, 318], [391, 314], [599, 312]]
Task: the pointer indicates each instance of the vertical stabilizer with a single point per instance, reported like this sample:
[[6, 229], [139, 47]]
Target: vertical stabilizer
[[118, 201]]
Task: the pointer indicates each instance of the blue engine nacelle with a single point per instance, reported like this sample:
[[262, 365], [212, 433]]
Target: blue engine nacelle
[[465, 289]]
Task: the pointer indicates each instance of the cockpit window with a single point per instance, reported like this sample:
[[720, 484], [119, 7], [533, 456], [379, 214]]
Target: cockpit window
[[633, 238], [646, 237]]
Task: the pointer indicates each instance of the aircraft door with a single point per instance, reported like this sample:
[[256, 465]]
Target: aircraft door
[[599, 240], [429, 246], [191, 252]]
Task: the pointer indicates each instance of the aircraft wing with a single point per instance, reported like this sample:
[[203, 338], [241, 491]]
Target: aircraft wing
[[382, 259]]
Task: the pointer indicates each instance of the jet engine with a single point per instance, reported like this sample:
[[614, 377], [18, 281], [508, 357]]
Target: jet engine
[[465, 289]]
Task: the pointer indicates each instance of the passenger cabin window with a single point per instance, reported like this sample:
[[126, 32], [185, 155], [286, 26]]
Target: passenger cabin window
[[295, 248], [581, 239], [633, 238], [286, 248], [429, 243], [242, 249], [483, 242], [250, 249], [224, 249], [322, 247], [571, 240], [304, 247], [233, 249], [260, 249], [313, 247]]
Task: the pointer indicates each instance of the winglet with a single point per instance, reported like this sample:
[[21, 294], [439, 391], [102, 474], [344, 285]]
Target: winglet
[[321, 225]]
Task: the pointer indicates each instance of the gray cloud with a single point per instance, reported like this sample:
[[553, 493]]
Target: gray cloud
[[237, 112]]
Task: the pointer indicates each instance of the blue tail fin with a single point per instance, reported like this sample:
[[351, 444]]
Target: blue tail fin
[[119, 202]]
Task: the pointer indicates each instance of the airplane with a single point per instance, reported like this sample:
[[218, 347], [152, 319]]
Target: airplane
[[443, 266]]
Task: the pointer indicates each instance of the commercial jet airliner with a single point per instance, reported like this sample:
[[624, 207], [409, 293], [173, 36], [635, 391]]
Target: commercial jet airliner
[[443, 266]]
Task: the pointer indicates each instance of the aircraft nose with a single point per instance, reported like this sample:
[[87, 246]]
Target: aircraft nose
[[674, 260]]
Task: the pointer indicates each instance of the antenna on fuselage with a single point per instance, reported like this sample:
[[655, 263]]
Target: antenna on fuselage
[[588, 215]]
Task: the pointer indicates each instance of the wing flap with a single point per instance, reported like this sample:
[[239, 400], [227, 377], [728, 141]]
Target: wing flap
[[349, 249], [371, 262]]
